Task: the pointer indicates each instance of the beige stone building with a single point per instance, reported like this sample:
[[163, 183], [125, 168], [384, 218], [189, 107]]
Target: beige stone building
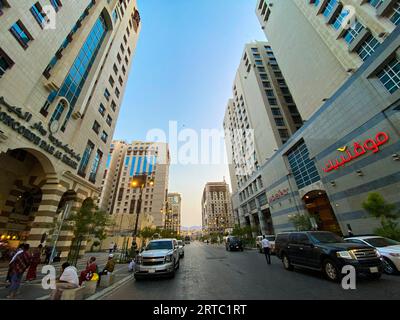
[[173, 214], [217, 216], [64, 66], [319, 44], [120, 199]]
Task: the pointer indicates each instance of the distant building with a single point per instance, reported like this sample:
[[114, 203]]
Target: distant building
[[173, 213], [216, 206]]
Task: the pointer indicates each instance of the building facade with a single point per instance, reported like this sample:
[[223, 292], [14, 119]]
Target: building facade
[[217, 215], [173, 213], [331, 38], [259, 119], [348, 148], [63, 71], [121, 200]]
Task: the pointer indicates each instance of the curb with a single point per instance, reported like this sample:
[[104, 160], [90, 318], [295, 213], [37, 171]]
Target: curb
[[110, 289]]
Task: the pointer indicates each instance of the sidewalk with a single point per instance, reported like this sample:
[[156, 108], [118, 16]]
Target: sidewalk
[[33, 290]]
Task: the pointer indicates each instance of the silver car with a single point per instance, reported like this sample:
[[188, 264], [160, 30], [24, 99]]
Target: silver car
[[159, 258]]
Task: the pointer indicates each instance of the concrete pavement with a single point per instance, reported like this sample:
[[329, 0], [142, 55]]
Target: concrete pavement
[[209, 272]]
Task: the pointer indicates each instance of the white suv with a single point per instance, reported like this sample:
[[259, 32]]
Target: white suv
[[159, 258], [387, 248]]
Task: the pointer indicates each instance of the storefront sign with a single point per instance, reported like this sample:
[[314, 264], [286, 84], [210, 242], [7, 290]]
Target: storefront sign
[[278, 195], [358, 150], [27, 131]]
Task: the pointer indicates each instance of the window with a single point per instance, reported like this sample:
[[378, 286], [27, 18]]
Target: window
[[85, 158], [297, 119], [330, 5], [340, 18], [257, 56], [303, 168], [57, 112], [119, 58], [279, 122], [368, 47], [255, 50], [123, 70], [95, 166], [102, 109], [3, 3], [263, 77], [375, 3], [283, 133], [117, 93], [109, 120], [259, 63], [113, 105], [288, 99], [266, 84], [390, 75], [111, 81], [96, 127], [121, 82], [37, 12], [115, 68], [107, 94], [270, 93], [276, 111], [353, 32], [316, 2], [261, 69], [395, 15], [104, 136], [272, 101], [20, 33], [5, 62], [56, 4], [79, 71]]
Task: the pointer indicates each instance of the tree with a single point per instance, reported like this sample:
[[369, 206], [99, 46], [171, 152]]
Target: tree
[[378, 208], [301, 222]]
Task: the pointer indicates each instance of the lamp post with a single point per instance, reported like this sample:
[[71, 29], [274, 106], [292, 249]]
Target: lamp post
[[139, 182]]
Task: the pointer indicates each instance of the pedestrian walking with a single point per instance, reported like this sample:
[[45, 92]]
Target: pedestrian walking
[[18, 267], [31, 275], [111, 248], [13, 256], [267, 249], [91, 269], [68, 280]]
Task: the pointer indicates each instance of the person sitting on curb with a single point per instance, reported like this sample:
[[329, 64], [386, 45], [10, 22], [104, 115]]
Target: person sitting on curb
[[109, 268], [68, 280], [91, 269]]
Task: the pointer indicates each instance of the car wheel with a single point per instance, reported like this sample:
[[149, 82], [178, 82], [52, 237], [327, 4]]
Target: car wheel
[[138, 278], [388, 266], [286, 262], [172, 275], [177, 266], [331, 271]]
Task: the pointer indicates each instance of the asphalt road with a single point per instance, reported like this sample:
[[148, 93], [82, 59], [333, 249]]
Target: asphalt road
[[209, 272]]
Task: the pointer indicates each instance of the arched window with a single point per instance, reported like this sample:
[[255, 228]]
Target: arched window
[[58, 112]]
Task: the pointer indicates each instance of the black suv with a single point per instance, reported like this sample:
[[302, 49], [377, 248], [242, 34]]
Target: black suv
[[233, 243], [327, 252]]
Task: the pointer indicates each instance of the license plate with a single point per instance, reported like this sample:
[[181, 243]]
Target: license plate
[[152, 271], [374, 269]]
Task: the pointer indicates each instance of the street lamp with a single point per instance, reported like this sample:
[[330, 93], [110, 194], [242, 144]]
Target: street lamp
[[139, 181]]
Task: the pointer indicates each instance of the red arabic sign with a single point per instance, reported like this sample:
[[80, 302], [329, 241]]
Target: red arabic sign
[[358, 150], [278, 195]]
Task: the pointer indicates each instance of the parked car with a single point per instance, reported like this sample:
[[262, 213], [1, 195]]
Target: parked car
[[159, 258], [389, 250], [181, 245], [233, 243], [327, 252], [270, 238]]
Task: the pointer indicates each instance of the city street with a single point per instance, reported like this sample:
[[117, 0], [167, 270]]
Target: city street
[[210, 272]]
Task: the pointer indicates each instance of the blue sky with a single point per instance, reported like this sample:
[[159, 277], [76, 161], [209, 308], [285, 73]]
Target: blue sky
[[183, 70]]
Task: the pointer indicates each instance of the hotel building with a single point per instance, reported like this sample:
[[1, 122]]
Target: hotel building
[[64, 66]]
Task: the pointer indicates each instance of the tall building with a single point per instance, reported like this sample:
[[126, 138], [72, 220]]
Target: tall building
[[217, 216], [259, 119], [64, 66], [349, 145], [173, 213], [124, 163], [319, 44]]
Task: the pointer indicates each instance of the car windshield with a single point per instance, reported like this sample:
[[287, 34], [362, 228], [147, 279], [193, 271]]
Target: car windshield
[[379, 242], [325, 237], [180, 242], [270, 238], [159, 245]]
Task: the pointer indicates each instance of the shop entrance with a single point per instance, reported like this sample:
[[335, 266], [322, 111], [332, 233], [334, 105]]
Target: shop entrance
[[319, 207]]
